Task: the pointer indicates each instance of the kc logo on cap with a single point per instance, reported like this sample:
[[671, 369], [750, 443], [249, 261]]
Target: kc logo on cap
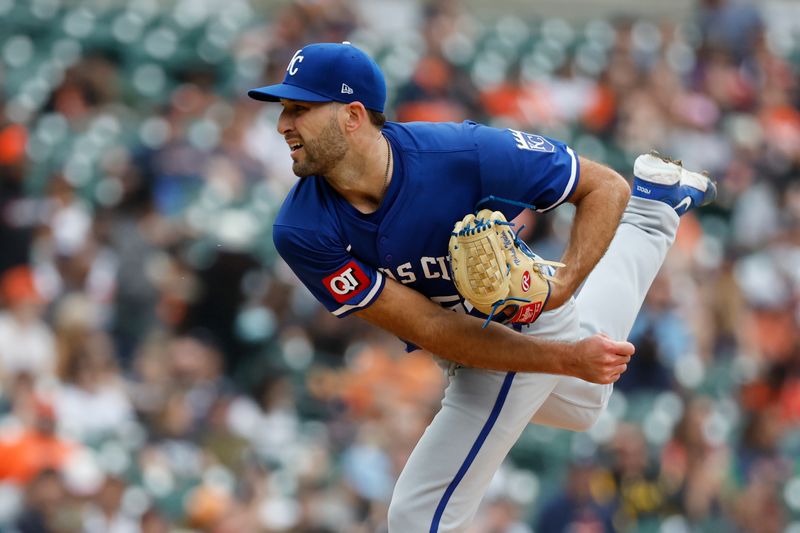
[[326, 72], [297, 58]]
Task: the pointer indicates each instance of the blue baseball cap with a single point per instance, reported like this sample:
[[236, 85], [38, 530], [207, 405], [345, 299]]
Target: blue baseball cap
[[325, 72]]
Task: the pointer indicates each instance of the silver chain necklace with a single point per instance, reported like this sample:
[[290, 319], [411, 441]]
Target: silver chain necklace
[[388, 163]]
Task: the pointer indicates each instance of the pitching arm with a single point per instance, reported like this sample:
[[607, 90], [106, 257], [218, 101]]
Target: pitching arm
[[600, 198], [461, 338]]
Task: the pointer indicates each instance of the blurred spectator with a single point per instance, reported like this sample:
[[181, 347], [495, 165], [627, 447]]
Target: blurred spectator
[[577, 508], [760, 454], [639, 498], [26, 340], [22, 400], [758, 508], [437, 92], [731, 25], [695, 466], [92, 400], [501, 515], [34, 448], [18, 214], [105, 515], [662, 338], [48, 506], [152, 521]]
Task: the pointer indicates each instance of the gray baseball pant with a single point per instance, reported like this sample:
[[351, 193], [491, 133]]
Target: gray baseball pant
[[484, 412]]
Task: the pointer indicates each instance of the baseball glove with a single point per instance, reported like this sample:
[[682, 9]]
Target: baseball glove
[[495, 270]]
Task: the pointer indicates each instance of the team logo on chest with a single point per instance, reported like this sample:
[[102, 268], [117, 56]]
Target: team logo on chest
[[346, 282]]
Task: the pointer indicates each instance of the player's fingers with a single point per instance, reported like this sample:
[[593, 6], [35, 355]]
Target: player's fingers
[[617, 372], [613, 374], [618, 347], [624, 348]]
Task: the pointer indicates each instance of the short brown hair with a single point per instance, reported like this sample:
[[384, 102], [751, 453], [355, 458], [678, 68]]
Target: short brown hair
[[376, 117]]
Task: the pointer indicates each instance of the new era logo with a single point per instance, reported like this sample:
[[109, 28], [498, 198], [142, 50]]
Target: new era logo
[[346, 89]]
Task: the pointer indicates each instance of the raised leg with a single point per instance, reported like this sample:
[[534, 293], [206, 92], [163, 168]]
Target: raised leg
[[613, 293]]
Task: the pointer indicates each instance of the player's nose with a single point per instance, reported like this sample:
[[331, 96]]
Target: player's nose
[[285, 123]]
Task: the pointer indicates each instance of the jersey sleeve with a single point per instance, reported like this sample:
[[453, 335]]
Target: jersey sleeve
[[338, 280], [525, 167]]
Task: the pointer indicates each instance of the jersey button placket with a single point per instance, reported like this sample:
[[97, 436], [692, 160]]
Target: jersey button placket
[[382, 246]]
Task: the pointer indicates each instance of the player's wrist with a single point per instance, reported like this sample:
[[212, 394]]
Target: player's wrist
[[559, 295], [569, 361], [555, 357]]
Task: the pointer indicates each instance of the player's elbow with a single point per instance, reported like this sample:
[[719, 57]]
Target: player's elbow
[[602, 184], [619, 190]]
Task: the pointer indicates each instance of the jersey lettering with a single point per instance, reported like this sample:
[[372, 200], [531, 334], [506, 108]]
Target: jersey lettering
[[529, 141], [296, 58], [428, 274], [346, 282], [432, 268], [406, 273], [388, 272], [443, 266]]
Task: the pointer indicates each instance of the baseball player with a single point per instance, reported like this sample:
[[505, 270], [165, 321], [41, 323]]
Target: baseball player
[[367, 228]]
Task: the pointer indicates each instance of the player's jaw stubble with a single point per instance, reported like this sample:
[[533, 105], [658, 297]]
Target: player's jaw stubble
[[323, 153]]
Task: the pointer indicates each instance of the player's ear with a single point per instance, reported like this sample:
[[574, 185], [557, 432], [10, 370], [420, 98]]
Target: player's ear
[[355, 116]]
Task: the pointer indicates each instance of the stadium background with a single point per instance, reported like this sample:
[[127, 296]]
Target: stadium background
[[162, 370]]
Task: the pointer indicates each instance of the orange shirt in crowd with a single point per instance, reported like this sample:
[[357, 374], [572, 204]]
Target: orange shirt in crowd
[[24, 455]]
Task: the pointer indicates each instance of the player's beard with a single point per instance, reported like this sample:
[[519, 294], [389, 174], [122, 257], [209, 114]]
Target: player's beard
[[323, 153]]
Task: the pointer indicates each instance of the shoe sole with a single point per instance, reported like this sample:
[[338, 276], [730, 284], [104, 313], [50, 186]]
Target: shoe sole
[[655, 168], [655, 153]]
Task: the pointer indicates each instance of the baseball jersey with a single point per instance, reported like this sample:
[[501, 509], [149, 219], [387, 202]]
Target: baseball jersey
[[442, 171]]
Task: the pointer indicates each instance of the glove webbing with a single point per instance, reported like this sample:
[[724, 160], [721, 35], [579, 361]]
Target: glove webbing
[[484, 272]]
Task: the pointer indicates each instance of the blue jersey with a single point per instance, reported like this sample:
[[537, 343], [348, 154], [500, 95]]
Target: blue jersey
[[442, 171]]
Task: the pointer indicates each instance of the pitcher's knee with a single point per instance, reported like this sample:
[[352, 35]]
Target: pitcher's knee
[[583, 420]]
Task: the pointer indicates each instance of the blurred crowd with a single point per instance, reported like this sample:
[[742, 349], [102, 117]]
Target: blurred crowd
[[162, 370]]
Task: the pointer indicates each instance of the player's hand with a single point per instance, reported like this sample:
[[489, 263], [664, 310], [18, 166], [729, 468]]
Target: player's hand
[[600, 359]]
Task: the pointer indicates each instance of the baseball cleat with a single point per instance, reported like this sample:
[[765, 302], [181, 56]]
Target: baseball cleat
[[698, 189], [665, 180]]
